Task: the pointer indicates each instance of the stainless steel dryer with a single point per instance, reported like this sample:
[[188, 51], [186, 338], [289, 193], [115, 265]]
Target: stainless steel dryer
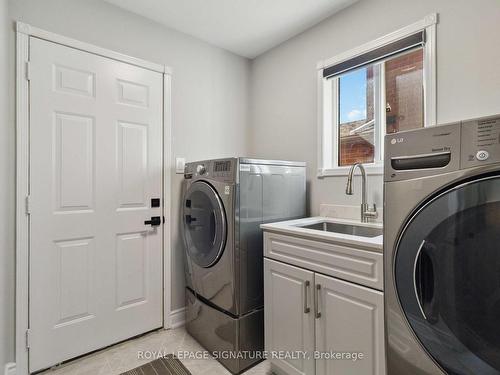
[[224, 203], [442, 249]]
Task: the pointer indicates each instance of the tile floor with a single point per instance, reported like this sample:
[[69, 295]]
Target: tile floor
[[122, 357]]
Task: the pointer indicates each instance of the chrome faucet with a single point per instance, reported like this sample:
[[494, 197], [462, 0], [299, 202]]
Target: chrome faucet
[[367, 212]]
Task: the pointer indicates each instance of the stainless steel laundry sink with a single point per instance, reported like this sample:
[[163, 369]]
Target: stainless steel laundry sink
[[351, 229]]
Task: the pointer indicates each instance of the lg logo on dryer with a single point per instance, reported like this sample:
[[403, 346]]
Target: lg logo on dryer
[[397, 140]]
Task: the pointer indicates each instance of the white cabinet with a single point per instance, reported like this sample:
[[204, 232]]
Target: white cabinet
[[289, 319], [323, 316], [350, 321]]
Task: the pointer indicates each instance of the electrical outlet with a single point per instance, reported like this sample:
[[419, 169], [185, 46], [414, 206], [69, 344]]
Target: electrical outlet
[[10, 369], [179, 165]]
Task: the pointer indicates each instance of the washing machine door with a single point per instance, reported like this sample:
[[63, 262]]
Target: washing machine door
[[205, 227], [447, 275]]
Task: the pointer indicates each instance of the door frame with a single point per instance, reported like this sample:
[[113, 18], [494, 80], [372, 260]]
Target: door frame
[[23, 34]]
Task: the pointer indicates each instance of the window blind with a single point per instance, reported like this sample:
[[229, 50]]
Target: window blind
[[381, 53]]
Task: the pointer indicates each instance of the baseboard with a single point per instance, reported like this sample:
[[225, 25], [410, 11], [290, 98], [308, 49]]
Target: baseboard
[[178, 318], [10, 369]]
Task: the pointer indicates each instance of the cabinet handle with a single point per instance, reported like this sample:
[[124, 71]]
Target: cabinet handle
[[316, 301], [306, 299]]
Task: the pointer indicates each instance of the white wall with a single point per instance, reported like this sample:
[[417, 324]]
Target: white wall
[[210, 94], [283, 100], [6, 201]]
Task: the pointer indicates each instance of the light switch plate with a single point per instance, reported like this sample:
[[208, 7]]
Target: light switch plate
[[179, 165]]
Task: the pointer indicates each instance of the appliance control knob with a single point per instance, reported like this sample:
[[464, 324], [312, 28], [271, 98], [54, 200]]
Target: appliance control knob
[[482, 155], [200, 169]]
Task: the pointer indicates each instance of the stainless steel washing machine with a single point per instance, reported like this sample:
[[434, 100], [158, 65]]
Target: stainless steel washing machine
[[224, 203], [442, 249]]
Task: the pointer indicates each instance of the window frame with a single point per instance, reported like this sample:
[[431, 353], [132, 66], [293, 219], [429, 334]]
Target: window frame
[[328, 106]]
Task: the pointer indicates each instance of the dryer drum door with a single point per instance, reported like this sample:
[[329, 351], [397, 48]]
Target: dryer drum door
[[205, 226], [447, 274]]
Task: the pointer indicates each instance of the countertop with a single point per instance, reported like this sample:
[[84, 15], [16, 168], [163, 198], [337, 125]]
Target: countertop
[[294, 227]]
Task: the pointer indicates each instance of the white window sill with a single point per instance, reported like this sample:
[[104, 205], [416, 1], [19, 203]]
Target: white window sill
[[376, 169]]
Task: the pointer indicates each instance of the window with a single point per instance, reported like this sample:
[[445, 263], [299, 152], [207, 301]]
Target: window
[[356, 130], [383, 87]]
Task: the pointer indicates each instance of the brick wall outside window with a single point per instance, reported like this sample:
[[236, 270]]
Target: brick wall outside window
[[355, 148], [404, 91]]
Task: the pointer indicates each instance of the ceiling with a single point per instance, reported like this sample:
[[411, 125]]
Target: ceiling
[[245, 27]]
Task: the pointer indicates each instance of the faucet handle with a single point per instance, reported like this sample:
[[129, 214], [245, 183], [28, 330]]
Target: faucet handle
[[371, 211]]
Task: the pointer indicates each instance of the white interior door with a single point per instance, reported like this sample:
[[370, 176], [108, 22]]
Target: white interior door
[[95, 165]]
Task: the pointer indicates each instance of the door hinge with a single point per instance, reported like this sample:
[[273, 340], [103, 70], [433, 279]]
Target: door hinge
[[28, 70], [28, 339], [28, 205]]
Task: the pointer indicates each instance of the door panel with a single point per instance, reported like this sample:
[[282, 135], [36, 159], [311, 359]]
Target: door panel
[[133, 93], [447, 277], [74, 159], [131, 268], [74, 285], [288, 316], [132, 158], [96, 161], [74, 81], [351, 321]]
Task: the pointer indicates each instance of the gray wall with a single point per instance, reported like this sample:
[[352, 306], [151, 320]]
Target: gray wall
[[6, 201], [210, 94], [283, 100]]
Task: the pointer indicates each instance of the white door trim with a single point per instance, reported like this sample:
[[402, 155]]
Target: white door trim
[[23, 33], [23, 28], [22, 191], [167, 204]]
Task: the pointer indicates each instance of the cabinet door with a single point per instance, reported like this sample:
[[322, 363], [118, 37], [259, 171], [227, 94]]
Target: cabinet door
[[289, 318], [349, 319]]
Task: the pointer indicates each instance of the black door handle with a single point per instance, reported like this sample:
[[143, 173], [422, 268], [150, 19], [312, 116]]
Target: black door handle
[[154, 222]]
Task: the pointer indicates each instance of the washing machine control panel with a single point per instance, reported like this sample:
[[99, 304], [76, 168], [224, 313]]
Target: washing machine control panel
[[219, 170], [480, 142], [442, 149], [422, 152]]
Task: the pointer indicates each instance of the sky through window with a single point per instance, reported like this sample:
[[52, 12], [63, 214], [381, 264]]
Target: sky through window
[[353, 96]]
